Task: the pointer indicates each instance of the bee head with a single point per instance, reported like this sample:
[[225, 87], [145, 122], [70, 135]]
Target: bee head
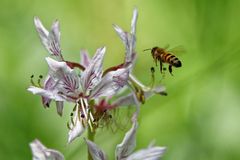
[[154, 49]]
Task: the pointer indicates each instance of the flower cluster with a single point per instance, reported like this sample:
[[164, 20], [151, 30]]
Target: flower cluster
[[93, 91]]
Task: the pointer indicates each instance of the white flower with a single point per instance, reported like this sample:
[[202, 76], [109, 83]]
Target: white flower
[[125, 150], [40, 152], [91, 84]]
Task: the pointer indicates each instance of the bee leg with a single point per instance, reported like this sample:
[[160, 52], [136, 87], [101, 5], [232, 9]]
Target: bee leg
[[161, 66], [155, 61], [170, 69]]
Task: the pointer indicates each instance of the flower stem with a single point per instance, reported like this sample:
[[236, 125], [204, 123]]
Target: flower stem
[[135, 81], [91, 136]]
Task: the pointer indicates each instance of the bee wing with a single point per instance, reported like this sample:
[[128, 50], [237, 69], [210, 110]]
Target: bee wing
[[177, 50], [166, 46]]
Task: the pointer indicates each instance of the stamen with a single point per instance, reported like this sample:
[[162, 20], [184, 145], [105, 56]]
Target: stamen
[[82, 115], [84, 125], [75, 107], [153, 77], [72, 121], [32, 82], [83, 108], [68, 126], [39, 81], [90, 125], [152, 69]]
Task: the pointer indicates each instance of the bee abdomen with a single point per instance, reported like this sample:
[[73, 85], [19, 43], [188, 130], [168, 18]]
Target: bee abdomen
[[166, 57], [175, 61]]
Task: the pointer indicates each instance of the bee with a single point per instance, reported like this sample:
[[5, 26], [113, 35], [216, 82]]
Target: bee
[[166, 56]]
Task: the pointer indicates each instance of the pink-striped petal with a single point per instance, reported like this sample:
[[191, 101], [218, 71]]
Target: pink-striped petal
[[85, 58], [93, 73], [50, 40], [111, 83]]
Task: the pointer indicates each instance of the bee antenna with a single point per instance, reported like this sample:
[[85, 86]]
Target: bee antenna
[[147, 49]]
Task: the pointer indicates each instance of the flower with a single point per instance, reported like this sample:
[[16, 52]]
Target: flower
[[124, 150], [40, 152], [140, 92], [90, 88], [91, 84]]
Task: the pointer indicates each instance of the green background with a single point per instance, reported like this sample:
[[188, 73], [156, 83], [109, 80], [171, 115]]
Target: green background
[[199, 119]]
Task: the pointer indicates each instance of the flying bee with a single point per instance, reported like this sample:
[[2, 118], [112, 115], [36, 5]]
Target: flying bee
[[163, 55]]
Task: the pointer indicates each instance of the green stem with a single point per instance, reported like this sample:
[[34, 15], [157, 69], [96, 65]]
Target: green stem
[[91, 136], [135, 81]]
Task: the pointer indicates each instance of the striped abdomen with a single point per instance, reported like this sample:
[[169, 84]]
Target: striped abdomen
[[171, 59]]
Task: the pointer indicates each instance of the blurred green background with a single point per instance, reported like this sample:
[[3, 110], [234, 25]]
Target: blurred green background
[[199, 119]]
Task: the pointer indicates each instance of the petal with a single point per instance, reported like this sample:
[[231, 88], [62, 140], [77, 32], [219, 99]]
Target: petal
[[54, 40], [128, 144], [124, 100], [51, 41], [159, 89], [111, 83], [46, 101], [59, 106], [156, 90], [45, 93], [129, 39], [68, 80], [49, 84], [122, 34], [85, 59], [95, 151], [58, 66], [76, 127], [134, 21], [93, 73], [151, 153], [42, 31], [126, 39], [40, 152], [133, 29]]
